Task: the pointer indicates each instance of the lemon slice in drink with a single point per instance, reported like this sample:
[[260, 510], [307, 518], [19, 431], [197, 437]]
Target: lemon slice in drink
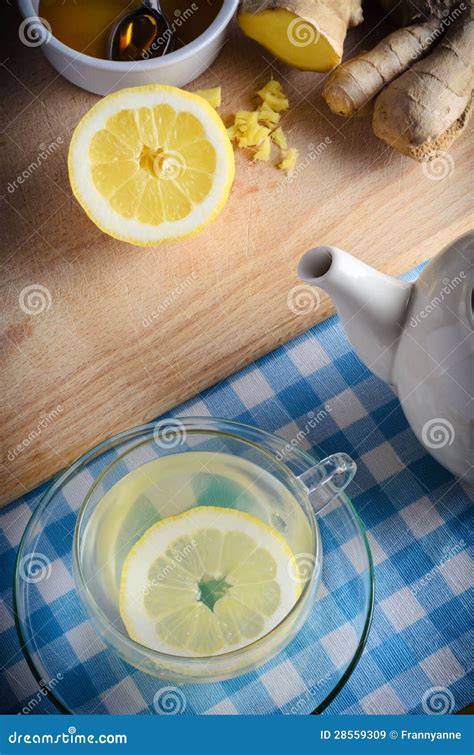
[[151, 164], [206, 582]]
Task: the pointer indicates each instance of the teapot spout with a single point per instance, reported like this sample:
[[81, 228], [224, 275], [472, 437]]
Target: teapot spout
[[372, 306]]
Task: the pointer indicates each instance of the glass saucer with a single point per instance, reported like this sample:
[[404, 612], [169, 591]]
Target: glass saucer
[[84, 675]]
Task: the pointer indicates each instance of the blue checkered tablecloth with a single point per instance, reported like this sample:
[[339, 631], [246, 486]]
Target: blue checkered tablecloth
[[416, 514]]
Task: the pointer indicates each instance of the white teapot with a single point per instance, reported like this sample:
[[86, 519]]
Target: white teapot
[[418, 337]]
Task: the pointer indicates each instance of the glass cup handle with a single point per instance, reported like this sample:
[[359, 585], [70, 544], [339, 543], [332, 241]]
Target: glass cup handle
[[327, 479]]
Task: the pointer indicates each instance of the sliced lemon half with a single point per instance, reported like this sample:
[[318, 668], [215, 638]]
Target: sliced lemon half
[[151, 164], [206, 582]]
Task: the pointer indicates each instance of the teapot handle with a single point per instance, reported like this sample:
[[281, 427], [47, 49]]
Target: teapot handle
[[327, 479]]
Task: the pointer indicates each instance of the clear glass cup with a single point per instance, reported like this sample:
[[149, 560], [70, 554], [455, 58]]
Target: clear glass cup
[[329, 622]]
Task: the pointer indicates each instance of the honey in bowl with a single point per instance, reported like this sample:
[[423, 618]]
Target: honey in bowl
[[84, 25]]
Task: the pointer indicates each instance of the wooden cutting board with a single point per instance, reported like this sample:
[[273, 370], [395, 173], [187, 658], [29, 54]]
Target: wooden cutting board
[[127, 332]]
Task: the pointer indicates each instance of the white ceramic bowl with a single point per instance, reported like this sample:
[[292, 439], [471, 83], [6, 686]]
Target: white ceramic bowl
[[104, 76]]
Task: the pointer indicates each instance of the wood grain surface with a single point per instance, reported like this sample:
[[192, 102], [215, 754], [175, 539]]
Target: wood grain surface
[[128, 333]]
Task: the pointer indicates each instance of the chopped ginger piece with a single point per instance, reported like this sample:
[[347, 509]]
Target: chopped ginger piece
[[254, 137], [259, 128], [279, 138], [264, 152], [267, 116], [249, 132], [277, 103], [289, 160], [213, 96], [244, 119], [271, 87], [273, 96], [242, 116]]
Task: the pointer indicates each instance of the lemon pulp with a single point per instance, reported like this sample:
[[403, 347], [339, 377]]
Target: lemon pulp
[[206, 582]]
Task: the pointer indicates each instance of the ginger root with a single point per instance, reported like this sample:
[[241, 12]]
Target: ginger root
[[354, 83], [307, 34], [423, 111]]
